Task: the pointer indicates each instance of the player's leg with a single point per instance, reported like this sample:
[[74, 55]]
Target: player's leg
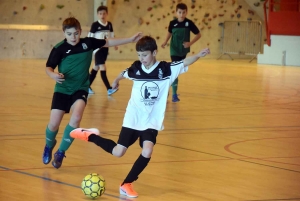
[[51, 132], [56, 115], [77, 104], [94, 71], [92, 77], [126, 139], [147, 142], [176, 81], [102, 59]]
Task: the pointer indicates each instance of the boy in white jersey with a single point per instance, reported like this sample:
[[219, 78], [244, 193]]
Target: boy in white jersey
[[101, 29], [145, 111]]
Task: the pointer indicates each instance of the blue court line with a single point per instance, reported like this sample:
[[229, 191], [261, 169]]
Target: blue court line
[[56, 181]]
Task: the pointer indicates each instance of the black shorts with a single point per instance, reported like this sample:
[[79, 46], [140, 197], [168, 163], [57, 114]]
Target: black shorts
[[128, 136], [177, 58], [64, 102], [101, 56]]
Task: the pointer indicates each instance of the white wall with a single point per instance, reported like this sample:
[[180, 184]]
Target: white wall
[[37, 43], [284, 51]]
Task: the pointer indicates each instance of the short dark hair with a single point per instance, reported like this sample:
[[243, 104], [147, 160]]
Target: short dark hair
[[181, 6], [102, 8], [71, 22], [146, 43]]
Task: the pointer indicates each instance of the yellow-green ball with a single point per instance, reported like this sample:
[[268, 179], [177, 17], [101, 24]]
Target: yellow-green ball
[[93, 185]]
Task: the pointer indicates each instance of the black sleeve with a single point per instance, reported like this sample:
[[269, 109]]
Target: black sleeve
[[54, 58], [97, 43], [194, 28], [132, 70], [93, 29], [170, 27], [111, 27]]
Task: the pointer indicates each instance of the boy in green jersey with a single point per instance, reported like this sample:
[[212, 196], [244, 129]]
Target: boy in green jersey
[[73, 56], [179, 29]]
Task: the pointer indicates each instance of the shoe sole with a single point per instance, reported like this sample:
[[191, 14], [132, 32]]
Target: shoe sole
[[57, 167], [124, 193], [112, 92]]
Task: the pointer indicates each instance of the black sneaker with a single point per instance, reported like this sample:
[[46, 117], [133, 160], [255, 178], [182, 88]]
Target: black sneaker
[[58, 158], [47, 155], [175, 98]]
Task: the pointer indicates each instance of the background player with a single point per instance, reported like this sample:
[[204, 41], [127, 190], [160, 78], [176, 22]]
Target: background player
[[179, 29], [101, 29]]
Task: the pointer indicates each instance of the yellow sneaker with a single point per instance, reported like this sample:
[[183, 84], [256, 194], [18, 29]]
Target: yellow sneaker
[[127, 189], [83, 133]]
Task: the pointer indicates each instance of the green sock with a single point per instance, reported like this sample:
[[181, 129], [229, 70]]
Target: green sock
[[175, 86], [50, 137], [66, 139]]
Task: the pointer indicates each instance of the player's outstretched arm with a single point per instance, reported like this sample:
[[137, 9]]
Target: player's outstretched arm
[[191, 59], [115, 83], [120, 41]]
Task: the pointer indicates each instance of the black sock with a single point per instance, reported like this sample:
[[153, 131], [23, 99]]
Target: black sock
[[92, 76], [106, 144], [104, 79], [136, 169]]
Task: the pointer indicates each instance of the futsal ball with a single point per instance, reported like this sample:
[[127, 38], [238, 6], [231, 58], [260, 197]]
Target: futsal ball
[[93, 185]]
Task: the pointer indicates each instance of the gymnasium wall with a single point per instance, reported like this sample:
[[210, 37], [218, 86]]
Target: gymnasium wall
[[30, 28]]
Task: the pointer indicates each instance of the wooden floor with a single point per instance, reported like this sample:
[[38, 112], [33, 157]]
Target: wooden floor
[[235, 135]]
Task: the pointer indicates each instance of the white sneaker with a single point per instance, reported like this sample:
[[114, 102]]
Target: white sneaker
[[91, 91], [111, 91]]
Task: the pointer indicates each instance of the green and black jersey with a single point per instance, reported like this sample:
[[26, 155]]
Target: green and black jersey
[[181, 33], [74, 63]]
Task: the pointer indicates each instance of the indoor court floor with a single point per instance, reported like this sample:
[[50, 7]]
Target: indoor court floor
[[234, 136]]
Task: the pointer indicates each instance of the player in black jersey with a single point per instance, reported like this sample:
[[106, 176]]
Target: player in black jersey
[[179, 29], [101, 29]]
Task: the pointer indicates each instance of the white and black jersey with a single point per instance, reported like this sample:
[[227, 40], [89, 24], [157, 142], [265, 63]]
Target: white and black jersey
[[147, 104], [101, 31]]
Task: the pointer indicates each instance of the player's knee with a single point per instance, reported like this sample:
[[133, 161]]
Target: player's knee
[[102, 67], [147, 152], [96, 68], [53, 126], [119, 151], [76, 118]]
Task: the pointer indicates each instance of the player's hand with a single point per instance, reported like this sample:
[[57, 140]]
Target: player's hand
[[137, 37], [59, 77], [204, 52], [116, 47], [163, 45], [186, 44], [115, 85]]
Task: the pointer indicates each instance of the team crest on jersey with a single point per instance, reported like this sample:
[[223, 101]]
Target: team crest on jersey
[[84, 46], [187, 24], [160, 74], [149, 92]]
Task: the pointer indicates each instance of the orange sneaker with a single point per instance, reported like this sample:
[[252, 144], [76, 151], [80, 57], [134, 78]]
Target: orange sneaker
[[83, 133], [127, 189]]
